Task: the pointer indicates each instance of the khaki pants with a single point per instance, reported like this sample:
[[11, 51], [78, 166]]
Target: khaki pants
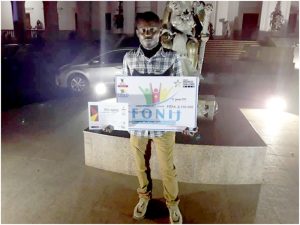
[[164, 148]]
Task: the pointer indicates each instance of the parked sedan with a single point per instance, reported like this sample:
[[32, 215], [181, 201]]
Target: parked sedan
[[99, 72]]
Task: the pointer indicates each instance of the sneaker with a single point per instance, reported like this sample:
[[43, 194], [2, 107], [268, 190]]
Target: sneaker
[[140, 209], [175, 215]]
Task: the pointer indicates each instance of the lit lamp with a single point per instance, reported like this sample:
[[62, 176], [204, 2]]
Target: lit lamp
[[276, 103], [100, 89]]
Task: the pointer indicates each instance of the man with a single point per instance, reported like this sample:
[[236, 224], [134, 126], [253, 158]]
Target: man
[[151, 59]]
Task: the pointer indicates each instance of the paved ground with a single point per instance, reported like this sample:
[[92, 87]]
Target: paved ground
[[45, 180]]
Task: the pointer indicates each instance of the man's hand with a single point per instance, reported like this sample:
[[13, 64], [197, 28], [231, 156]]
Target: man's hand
[[109, 129], [189, 132]]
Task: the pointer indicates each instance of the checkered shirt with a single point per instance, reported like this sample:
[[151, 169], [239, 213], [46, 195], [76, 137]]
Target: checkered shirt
[[162, 61]]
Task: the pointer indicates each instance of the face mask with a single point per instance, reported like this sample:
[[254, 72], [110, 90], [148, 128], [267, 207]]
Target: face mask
[[149, 43], [148, 35]]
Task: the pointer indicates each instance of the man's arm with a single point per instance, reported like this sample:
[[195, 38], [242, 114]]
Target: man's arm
[[177, 66], [126, 71]]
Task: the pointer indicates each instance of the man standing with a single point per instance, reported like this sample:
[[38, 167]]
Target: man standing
[[151, 59]]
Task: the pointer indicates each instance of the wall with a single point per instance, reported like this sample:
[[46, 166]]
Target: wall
[[142, 6], [96, 19], [161, 5], [129, 17], [248, 7], [6, 16], [233, 11], [221, 16], [36, 11], [66, 15]]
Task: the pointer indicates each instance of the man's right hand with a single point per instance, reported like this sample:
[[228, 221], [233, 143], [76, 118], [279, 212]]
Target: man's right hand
[[189, 132], [108, 129]]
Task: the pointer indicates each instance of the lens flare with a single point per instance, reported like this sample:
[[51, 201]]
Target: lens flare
[[100, 89], [276, 103]]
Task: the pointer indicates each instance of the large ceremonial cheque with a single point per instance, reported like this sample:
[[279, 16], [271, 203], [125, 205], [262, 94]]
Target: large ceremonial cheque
[[159, 102]]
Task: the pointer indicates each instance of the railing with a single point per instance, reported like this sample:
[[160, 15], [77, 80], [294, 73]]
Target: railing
[[8, 33], [9, 36], [33, 33]]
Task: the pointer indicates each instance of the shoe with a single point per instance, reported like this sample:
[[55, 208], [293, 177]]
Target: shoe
[[140, 209], [175, 215]]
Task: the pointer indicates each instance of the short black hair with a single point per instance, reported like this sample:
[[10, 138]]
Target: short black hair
[[148, 16]]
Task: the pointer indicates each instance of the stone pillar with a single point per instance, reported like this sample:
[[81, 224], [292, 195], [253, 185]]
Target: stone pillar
[[285, 10], [161, 5], [51, 20], [153, 6], [129, 17], [18, 9], [221, 16], [267, 8], [142, 6], [204, 35], [233, 13], [84, 19], [102, 10]]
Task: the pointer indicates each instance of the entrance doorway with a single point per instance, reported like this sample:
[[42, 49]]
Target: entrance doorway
[[27, 21], [250, 26], [292, 23]]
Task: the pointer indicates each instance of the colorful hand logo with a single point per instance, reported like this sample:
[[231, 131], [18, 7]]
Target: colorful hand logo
[[155, 95]]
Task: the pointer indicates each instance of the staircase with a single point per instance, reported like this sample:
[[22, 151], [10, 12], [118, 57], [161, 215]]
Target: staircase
[[226, 49]]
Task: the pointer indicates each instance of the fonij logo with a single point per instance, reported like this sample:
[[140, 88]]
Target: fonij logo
[[155, 95], [123, 87]]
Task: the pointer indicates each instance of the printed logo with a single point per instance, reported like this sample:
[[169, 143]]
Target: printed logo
[[122, 89], [94, 115], [155, 95], [188, 83], [122, 86]]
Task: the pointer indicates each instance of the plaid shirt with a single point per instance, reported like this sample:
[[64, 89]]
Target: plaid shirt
[[164, 60]]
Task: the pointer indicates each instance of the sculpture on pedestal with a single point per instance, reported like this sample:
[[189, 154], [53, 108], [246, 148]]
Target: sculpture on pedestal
[[185, 30], [277, 19]]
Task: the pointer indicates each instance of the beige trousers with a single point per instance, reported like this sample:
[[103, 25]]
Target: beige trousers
[[164, 149]]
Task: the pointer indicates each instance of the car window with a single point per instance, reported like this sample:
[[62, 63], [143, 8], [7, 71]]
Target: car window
[[113, 57], [9, 51]]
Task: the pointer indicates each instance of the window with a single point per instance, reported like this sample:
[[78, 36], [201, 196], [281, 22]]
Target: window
[[113, 57]]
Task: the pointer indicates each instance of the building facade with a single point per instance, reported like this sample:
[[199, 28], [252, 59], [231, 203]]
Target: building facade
[[91, 19]]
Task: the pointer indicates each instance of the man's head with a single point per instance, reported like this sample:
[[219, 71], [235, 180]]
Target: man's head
[[147, 29]]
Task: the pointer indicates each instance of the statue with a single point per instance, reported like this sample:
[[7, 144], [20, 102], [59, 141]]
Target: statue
[[277, 19], [185, 30]]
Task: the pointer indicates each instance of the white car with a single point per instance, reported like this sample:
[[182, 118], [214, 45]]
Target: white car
[[99, 72]]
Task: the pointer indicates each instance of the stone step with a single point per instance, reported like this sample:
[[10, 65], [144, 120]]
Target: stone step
[[231, 49]]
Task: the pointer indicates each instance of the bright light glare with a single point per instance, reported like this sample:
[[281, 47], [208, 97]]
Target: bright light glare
[[100, 89], [276, 104]]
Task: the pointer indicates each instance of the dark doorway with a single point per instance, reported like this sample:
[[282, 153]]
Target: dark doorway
[[108, 21], [27, 21], [76, 22], [250, 26], [292, 23]]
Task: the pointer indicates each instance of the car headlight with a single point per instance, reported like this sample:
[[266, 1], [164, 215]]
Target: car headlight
[[276, 103], [100, 89]]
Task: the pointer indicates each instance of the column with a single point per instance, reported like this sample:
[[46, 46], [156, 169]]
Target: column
[[129, 17], [233, 13], [143, 6], [161, 5], [221, 16], [18, 9], [102, 11], [51, 20], [285, 10], [266, 11], [153, 6], [84, 19]]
